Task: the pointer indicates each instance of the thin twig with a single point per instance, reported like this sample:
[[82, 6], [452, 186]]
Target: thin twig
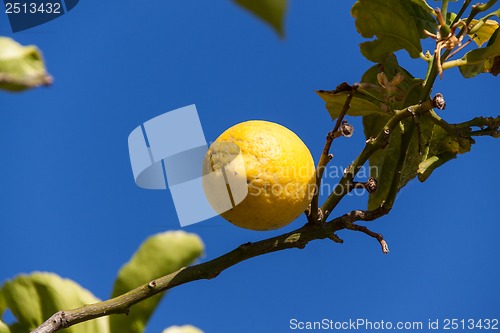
[[313, 215], [365, 230]]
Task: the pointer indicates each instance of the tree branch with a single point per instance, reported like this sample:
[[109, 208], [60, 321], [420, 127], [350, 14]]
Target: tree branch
[[373, 145], [313, 215], [298, 238]]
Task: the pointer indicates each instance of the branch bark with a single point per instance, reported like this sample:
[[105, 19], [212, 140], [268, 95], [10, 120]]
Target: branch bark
[[314, 215], [298, 238]]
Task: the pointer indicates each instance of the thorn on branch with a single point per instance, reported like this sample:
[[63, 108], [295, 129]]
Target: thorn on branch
[[336, 238], [439, 102]]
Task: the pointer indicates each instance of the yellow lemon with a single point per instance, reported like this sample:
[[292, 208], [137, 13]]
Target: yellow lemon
[[273, 164]]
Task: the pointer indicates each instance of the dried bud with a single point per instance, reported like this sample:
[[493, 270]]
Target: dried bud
[[382, 79], [439, 102], [346, 129], [371, 185], [397, 79]]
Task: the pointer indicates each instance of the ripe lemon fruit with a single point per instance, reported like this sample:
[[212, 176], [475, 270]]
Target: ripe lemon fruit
[[275, 167]]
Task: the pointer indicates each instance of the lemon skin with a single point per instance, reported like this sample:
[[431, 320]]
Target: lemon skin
[[278, 169]]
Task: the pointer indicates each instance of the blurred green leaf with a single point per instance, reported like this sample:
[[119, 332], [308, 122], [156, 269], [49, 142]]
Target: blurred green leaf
[[481, 60], [4, 328], [159, 255], [182, 329], [424, 5], [21, 67], [397, 25], [270, 11], [34, 298]]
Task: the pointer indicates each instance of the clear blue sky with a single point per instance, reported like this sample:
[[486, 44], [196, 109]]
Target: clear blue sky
[[69, 203]]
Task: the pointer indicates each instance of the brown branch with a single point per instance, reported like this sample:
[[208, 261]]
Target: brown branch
[[373, 145], [340, 128], [365, 230], [298, 238]]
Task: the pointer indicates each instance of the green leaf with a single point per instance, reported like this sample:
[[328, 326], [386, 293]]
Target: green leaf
[[34, 298], [182, 329], [438, 147], [21, 67], [397, 24], [484, 33], [361, 104], [372, 97], [159, 255], [384, 164], [481, 60], [270, 11], [441, 148], [428, 166], [392, 95]]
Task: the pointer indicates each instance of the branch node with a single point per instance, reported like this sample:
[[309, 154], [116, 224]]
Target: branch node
[[370, 186], [152, 284], [63, 320]]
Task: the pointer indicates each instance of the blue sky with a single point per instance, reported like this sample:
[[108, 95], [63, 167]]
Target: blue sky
[[69, 203]]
